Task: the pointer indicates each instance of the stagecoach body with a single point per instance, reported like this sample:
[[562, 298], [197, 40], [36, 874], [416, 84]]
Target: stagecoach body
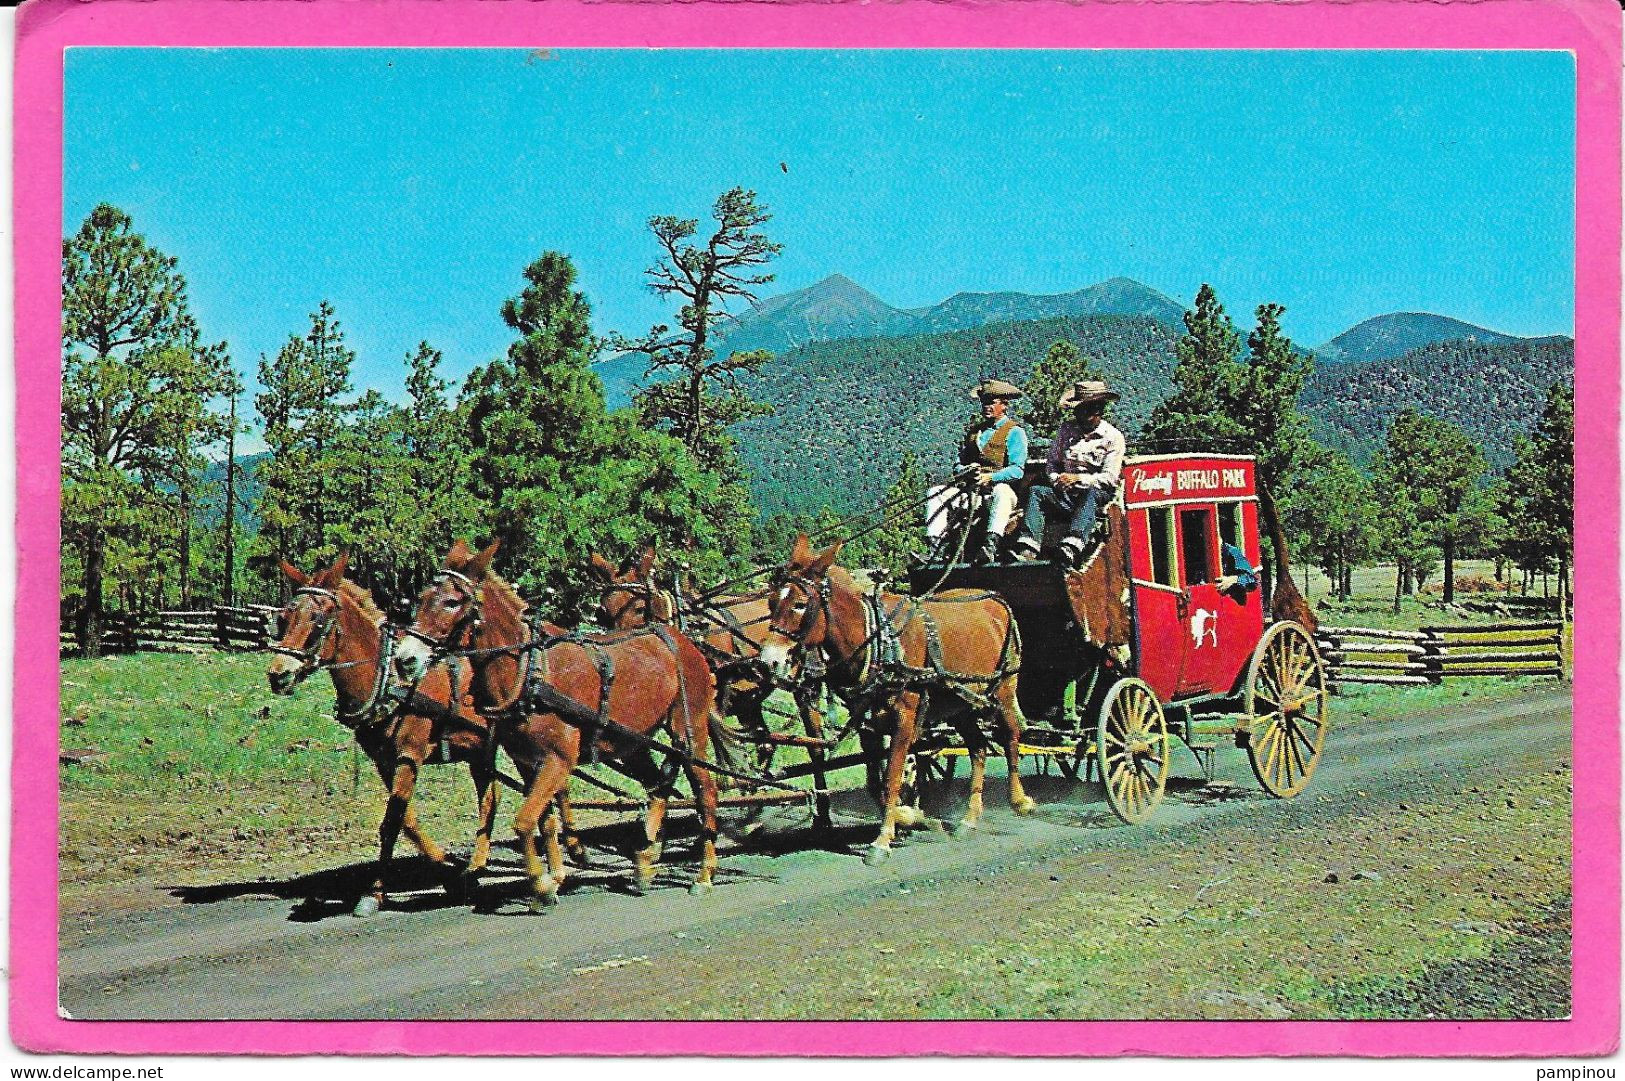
[[1190, 661]]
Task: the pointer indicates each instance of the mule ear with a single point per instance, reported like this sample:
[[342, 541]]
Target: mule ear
[[332, 576], [601, 568], [481, 564], [801, 554], [646, 560], [459, 555], [826, 559], [294, 574]]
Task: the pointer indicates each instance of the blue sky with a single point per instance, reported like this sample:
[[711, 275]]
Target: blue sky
[[410, 187]]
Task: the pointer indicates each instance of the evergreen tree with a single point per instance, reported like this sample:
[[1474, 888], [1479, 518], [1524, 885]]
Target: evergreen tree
[[138, 387], [1062, 365], [903, 533], [560, 476], [303, 417], [703, 397], [1206, 369], [1261, 398], [1333, 513], [1537, 501], [1219, 402], [1431, 472]]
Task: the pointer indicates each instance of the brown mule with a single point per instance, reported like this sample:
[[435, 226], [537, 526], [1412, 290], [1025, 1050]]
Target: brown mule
[[332, 623], [730, 631], [639, 680], [893, 658]]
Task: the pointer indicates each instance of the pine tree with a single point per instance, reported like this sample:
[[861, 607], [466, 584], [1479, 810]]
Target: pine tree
[[1062, 365], [1206, 369], [303, 415], [1262, 399], [560, 476], [1431, 472], [901, 510], [699, 396], [1333, 513], [1538, 497], [138, 393]]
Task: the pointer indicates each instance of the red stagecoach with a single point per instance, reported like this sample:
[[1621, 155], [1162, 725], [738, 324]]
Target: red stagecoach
[[1157, 635]]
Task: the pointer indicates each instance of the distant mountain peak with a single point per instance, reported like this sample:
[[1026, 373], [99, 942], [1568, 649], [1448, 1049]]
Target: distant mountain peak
[[1383, 337]]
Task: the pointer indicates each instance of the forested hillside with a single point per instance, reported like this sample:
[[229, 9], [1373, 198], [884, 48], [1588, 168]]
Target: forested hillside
[[1489, 391], [845, 411]]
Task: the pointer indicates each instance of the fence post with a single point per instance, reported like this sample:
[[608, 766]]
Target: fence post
[[222, 640], [1433, 657]]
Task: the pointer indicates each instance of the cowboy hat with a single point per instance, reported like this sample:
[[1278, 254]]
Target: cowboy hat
[[994, 388], [1088, 390]]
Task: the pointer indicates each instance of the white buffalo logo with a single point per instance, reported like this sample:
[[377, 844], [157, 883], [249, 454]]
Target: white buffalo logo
[[1163, 483], [1204, 624]]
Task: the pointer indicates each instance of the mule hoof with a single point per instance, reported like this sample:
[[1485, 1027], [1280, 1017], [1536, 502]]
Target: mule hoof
[[1026, 807], [701, 889], [876, 855], [367, 906], [541, 902], [962, 829], [579, 856]]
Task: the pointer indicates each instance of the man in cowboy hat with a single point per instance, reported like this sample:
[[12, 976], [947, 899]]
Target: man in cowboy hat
[[1083, 468], [996, 448]]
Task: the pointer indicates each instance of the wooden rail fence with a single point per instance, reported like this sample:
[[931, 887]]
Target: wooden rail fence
[[245, 628], [1430, 654]]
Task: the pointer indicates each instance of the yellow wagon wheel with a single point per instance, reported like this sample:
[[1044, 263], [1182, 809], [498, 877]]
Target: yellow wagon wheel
[[1287, 709], [1131, 743]]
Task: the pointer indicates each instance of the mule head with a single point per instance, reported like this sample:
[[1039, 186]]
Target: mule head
[[307, 628], [630, 597], [798, 608], [448, 611]]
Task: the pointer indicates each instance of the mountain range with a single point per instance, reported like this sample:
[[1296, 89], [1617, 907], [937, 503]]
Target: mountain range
[[837, 308]]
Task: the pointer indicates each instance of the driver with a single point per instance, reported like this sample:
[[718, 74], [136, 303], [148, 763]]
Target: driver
[[995, 447]]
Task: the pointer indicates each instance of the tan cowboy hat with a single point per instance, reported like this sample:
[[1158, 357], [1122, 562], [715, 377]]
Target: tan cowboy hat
[[1088, 390], [994, 388]]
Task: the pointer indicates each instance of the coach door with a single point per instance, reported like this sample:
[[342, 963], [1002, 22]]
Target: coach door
[[1201, 613]]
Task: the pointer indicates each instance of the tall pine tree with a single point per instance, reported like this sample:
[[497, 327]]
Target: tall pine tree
[[139, 390], [303, 414]]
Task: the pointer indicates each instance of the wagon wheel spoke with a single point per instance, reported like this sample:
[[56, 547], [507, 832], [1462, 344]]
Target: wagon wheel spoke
[[1132, 748], [1286, 702]]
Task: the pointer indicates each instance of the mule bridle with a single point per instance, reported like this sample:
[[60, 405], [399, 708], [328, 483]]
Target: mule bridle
[[326, 627], [651, 596], [470, 619]]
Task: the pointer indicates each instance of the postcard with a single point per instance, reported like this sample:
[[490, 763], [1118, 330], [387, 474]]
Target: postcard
[[1040, 529]]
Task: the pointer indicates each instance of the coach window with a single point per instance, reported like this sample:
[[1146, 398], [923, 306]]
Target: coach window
[[1161, 520], [1230, 523], [1196, 544]]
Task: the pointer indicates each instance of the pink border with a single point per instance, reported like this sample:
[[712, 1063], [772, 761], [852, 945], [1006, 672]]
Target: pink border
[[1588, 28]]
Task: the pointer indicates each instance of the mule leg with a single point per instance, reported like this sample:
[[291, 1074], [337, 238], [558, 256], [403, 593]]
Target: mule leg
[[893, 813], [978, 774], [647, 857], [552, 825], [486, 787], [553, 775], [705, 797], [1010, 711], [812, 718], [573, 846]]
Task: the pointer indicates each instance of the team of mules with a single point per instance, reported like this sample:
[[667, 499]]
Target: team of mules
[[477, 671]]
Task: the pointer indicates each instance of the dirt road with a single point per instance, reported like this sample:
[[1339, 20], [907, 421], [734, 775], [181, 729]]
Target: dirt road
[[289, 949]]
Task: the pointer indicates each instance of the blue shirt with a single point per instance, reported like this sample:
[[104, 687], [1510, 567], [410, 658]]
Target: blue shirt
[[1015, 449], [1236, 561]]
